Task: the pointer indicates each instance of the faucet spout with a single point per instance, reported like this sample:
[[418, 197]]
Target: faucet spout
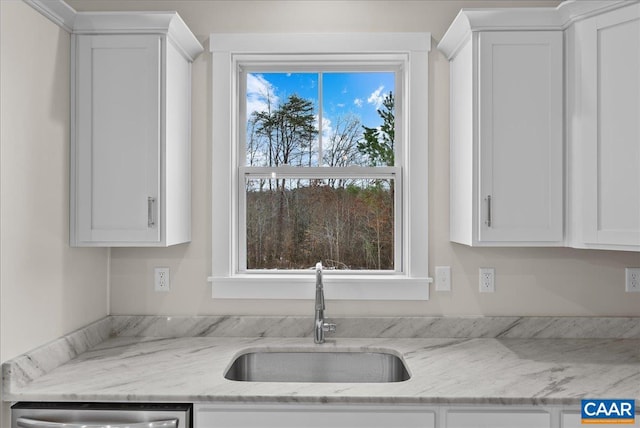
[[319, 288], [320, 325]]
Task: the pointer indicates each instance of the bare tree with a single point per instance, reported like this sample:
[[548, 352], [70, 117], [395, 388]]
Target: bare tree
[[342, 147]]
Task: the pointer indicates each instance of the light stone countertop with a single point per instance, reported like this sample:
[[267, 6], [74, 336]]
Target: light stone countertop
[[459, 370]]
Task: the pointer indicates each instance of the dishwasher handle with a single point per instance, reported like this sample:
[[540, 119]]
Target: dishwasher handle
[[34, 423]]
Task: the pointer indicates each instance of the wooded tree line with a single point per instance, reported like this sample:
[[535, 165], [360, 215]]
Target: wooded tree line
[[293, 223]]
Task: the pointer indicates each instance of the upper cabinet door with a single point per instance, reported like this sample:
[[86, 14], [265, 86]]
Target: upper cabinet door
[[520, 136], [130, 175], [608, 142], [506, 138], [118, 143]]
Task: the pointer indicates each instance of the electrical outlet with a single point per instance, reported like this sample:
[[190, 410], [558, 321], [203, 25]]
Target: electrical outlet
[[632, 276], [161, 279], [487, 276], [443, 278]]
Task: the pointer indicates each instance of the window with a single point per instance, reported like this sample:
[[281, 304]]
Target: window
[[299, 176], [313, 192]]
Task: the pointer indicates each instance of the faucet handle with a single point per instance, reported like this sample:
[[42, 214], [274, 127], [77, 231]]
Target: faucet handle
[[329, 327]]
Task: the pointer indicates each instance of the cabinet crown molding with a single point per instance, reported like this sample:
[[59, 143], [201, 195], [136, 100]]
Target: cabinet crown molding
[[524, 19], [169, 23]]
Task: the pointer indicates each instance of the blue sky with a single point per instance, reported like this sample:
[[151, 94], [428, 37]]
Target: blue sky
[[358, 93]]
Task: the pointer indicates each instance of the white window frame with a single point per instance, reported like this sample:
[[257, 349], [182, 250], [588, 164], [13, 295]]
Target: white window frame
[[246, 64], [410, 281]]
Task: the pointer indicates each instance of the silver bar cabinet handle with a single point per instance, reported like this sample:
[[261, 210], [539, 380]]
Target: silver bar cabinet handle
[[150, 217], [34, 423], [488, 211]]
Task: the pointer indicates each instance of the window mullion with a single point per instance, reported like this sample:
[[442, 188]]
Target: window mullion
[[267, 172], [320, 113]]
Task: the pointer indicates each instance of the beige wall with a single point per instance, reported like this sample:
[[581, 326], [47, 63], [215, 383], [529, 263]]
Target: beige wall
[[528, 281], [46, 288]]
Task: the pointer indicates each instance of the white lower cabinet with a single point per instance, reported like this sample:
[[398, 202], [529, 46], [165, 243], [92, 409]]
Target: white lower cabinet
[[313, 416], [251, 415], [494, 418]]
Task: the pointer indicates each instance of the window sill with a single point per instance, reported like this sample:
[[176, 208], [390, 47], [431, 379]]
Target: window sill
[[337, 287]]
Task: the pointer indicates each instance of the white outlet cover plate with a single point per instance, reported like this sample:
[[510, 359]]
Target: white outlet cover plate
[[443, 278], [632, 280], [487, 280], [161, 279]]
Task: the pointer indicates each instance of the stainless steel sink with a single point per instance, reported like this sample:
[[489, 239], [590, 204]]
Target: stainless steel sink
[[317, 366]]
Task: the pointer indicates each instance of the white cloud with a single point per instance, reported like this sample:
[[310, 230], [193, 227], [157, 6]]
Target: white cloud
[[358, 102], [327, 131], [376, 97], [259, 92]]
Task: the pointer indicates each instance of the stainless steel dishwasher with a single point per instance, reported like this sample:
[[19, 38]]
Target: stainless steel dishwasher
[[100, 415]]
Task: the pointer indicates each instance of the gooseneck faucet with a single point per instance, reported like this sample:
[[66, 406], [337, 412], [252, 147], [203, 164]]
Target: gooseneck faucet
[[320, 325]]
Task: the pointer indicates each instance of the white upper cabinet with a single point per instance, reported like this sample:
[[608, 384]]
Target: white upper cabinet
[[131, 112], [545, 125], [506, 138], [604, 130]]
